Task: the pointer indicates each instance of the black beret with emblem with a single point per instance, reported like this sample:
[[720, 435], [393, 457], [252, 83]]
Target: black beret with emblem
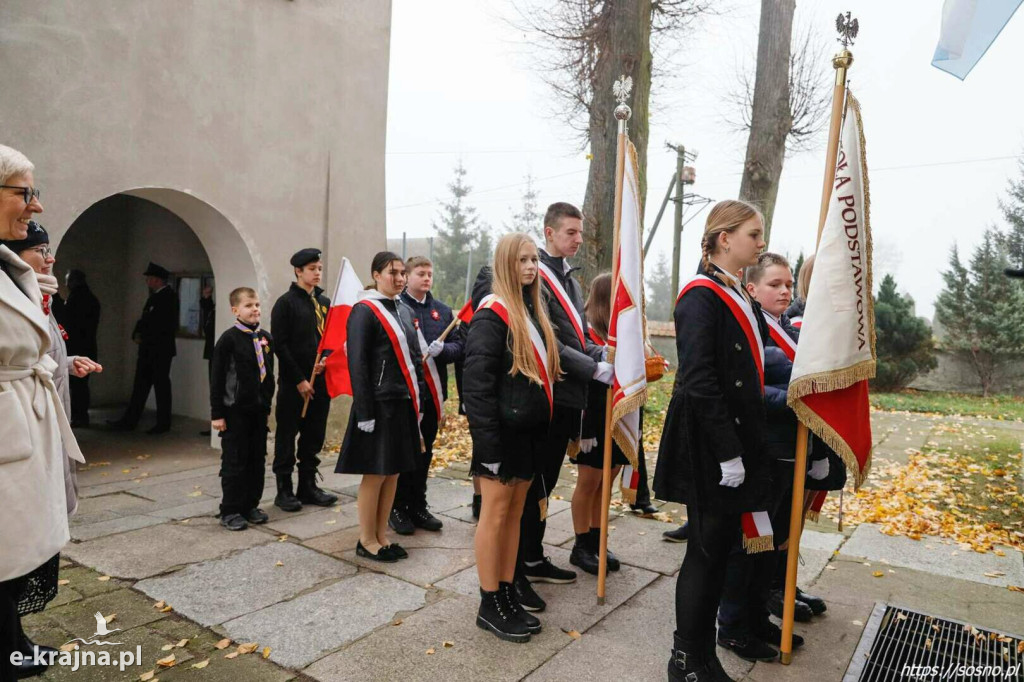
[[304, 257]]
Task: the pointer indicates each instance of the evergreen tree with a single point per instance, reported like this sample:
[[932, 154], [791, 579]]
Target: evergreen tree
[[660, 297], [529, 219], [1013, 212], [796, 268], [903, 340], [460, 235], [981, 310]]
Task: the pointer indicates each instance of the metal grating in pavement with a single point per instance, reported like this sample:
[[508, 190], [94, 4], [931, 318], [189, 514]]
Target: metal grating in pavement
[[900, 644]]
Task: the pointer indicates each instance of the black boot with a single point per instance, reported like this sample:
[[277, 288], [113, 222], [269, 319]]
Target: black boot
[[309, 493], [28, 666], [680, 534], [508, 593], [595, 546], [286, 500], [477, 500], [583, 556], [712, 662], [497, 616], [422, 518], [816, 604], [687, 662], [801, 612], [526, 596]]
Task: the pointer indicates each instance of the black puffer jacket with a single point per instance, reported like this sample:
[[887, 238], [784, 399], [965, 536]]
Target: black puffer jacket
[[375, 370], [501, 408], [717, 410]]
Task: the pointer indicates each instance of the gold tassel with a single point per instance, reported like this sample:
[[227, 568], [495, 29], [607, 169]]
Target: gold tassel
[[764, 543], [840, 511]]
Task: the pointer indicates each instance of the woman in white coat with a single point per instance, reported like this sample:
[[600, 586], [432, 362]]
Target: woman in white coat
[[33, 425]]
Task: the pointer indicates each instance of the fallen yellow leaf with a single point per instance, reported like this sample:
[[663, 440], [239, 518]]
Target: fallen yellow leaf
[[197, 493], [398, 621], [282, 538], [181, 643], [168, 662], [126, 471], [574, 634], [430, 651], [279, 563], [878, 574], [110, 618], [223, 644], [62, 582], [146, 677], [160, 604], [448, 645], [1015, 588], [247, 648], [167, 609], [70, 646], [201, 664], [266, 652], [166, 647], [233, 654], [103, 578]]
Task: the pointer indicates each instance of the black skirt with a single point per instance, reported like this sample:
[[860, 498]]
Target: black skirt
[[392, 448], [521, 456], [595, 458]]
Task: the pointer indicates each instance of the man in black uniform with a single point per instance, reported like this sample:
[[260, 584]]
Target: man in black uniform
[[431, 317], [81, 319], [582, 360], [154, 332], [297, 323]]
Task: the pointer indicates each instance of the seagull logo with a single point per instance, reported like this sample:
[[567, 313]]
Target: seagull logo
[[101, 631]]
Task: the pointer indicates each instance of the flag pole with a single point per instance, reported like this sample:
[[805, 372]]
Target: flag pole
[[841, 63], [319, 349], [622, 113]]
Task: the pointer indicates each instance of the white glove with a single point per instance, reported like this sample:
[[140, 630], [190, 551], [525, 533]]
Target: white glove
[[587, 444], [367, 425], [47, 283], [605, 373], [435, 348], [819, 469], [604, 353], [733, 473]]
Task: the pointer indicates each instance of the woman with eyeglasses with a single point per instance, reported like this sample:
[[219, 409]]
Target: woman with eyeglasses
[[33, 423]]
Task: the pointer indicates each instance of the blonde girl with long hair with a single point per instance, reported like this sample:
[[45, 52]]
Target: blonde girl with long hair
[[510, 368]]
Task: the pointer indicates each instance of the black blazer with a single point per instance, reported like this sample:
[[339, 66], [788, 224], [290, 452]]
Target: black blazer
[[375, 371], [158, 325], [235, 374], [501, 409], [293, 323], [717, 410]]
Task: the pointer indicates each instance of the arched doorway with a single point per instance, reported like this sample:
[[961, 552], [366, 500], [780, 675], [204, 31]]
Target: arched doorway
[[112, 242]]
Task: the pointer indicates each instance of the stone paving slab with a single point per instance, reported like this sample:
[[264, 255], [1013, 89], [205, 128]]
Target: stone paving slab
[[204, 505], [131, 609], [637, 542], [323, 620], [476, 655], [120, 524], [425, 566], [933, 555], [826, 542], [149, 551], [573, 606], [320, 522], [217, 591], [632, 643]]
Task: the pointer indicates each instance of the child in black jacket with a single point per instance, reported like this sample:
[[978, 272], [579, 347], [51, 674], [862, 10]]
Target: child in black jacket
[[241, 390]]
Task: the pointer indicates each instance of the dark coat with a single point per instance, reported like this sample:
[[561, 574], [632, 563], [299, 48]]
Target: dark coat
[[81, 319], [375, 370], [578, 361], [207, 317], [158, 325], [717, 410], [796, 308], [780, 437], [433, 318], [235, 374], [293, 323], [501, 409]]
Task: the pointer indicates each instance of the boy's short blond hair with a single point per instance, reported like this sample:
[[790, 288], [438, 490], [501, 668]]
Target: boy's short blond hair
[[754, 273], [236, 295], [417, 262]]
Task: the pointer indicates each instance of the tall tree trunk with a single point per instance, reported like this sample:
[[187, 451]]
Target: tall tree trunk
[[624, 49], [771, 118]]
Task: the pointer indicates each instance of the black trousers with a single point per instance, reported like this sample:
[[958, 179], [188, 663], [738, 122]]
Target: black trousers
[[80, 399], [702, 577], [152, 370], [412, 485], [643, 488], [10, 625], [243, 461], [565, 426], [783, 476], [310, 430]]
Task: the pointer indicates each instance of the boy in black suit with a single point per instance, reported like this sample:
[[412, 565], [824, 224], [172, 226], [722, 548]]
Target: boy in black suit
[[241, 389]]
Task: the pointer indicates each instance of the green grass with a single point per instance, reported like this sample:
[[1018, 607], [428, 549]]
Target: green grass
[[1002, 407]]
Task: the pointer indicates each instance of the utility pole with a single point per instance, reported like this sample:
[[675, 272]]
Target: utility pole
[[469, 269], [677, 227]]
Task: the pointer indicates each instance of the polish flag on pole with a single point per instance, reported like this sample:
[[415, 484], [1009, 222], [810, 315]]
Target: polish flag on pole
[[332, 344], [836, 355], [466, 314]]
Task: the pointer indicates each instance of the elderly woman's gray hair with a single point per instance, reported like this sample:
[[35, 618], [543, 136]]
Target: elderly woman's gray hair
[[12, 163]]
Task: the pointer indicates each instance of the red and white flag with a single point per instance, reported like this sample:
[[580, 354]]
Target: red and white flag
[[332, 343], [627, 325], [836, 356], [466, 314]]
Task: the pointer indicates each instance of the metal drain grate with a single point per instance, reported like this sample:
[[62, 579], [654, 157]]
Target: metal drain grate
[[902, 645]]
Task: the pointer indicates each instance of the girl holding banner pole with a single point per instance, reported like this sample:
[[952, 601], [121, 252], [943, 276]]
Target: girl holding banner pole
[[511, 364], [383, 437], [711, 456]]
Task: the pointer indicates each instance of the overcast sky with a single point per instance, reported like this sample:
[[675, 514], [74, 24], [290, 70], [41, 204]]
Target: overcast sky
[[463, 85]]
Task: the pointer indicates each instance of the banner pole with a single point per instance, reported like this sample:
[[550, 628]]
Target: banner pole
[[622, 113], [841, 63]]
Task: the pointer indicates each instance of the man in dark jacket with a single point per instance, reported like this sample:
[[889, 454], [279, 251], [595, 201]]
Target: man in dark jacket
[[431, 317], [81, 319], [154, 332], [297, 323], [207, 319], [582, 360]]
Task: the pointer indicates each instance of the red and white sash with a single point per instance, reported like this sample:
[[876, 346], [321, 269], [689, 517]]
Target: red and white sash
[[563, 299], [430, 374], [780, 337], [399, 344], [596, 338], [540, 351], [741, 310]]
